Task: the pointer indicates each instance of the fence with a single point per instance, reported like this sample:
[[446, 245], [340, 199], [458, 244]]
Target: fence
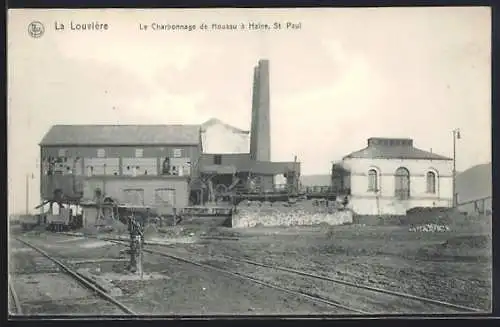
[[482, 206]]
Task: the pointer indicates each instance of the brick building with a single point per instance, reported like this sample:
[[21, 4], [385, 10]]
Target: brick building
[[136, 164]]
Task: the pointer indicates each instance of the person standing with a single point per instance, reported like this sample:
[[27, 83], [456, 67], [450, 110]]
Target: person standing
[[136, 236]]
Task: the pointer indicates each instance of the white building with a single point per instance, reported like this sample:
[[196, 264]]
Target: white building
[[390, 176], [221, 138]]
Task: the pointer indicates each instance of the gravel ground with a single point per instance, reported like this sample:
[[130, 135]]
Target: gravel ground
[[192, 290], [370, 302], [387, 257], [452, 267], [43, 289], [181, 288]]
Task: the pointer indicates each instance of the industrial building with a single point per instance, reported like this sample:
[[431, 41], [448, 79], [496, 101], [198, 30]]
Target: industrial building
[[140, 165], [390, 176], [252, 171], [164, 165], [221, 138]]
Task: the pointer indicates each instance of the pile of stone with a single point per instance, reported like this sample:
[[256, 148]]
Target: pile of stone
[[433, 228], [251, 214]]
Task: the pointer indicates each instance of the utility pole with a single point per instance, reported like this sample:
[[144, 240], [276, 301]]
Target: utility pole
[[27, 193], [456, 136]]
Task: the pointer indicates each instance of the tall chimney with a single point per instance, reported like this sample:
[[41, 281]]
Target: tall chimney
[[255, 104], [260, 138]]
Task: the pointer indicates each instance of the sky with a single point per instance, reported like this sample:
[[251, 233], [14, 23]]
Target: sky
[[345, 75]]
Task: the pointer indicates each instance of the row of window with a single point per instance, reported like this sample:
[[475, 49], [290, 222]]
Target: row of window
[[111, 166], [402, 182], [101, 153]]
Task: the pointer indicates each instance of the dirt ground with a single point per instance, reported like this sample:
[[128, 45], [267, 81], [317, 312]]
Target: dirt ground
[[177, 288], [43, 289], [452, 266]]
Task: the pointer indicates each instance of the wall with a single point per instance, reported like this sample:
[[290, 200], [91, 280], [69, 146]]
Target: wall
[[71, 186], [278, 214], [372, 206], [115, 188], [219, 138], [237, 159], [364, 201], [122, 151], [117, 160]]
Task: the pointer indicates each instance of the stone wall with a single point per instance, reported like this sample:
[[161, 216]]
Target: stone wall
[[251, 214]]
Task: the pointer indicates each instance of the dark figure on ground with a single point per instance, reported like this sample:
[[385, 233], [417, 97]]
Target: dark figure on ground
[[136, 237]]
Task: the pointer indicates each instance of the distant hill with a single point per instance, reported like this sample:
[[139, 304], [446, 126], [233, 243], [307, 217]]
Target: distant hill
[[474, 183], [315, 180]]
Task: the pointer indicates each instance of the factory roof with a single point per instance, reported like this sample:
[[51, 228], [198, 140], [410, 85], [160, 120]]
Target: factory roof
[[215, 121], [122, 135], [389, 148]]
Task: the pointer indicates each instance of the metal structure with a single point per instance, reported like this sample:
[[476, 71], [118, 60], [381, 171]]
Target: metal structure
[[243, 185], [456, 136]]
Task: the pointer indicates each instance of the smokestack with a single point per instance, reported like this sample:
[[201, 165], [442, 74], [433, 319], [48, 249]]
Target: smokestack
[[255, 104], [260, 138]]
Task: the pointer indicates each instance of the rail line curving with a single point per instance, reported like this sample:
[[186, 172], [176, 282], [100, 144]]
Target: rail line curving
[[78, 277]]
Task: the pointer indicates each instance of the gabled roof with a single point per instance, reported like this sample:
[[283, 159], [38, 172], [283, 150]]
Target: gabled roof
[[215, 121], [122, 135], [404, 150]]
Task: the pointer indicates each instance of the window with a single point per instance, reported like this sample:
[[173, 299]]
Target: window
[[431, 182], [62, 152], [101, 153], [166, 167], [177, 153], [402, 189], [372, 180], [139, 166], [133, 196], [165, 196], [138, 153], [217, 159]]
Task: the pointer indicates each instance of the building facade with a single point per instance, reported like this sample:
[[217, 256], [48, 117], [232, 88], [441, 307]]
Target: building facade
[[390, 176], [219, 137], [141, 165]]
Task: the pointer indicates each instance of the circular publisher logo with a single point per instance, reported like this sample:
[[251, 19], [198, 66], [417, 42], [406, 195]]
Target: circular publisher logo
[[36, 29]]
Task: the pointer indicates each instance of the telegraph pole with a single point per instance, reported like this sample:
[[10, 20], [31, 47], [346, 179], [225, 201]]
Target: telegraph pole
[[456, 136], [27, 193]]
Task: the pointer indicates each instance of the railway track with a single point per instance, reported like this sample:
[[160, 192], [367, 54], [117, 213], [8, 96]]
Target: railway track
[[15, 300], [313, 297], [359, 286], [310, 297], [79, 278], [374, 290]]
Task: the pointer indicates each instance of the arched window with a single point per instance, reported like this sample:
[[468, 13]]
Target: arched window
[[431, 182], [372, 180], [402, 189]]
